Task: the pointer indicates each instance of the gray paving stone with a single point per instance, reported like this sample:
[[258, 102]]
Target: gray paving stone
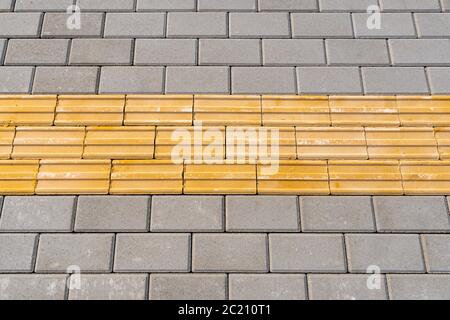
[[347, 52], [55, 25], [19, 25], [344, 287], [438, 80], [65, 80], [42, 5], [100, 51], [230, 52], [197, 80], [131, 80], [197, 24], [288, 5], [229, 253], [329, 80], [2, 50], [254, 80], [166, 5], [188, 287], [419, 287], [321, 25], [187, 213], [15, 79], [389, 80], [32, 287], [5, 5], [37, 52], [106, 5], [17, 252], [226, 5], [306, 253], [346, 5], [259, 25], [336, 214], [416, 52], [110, 287], [446, 5], [433, 25], [165, 252], [37, 214], [410, 5], [280, 52], [437, 252], [135, 25], [112, 213], [393, 25], [166, 52], [267, 287], [411, 214], [390, 253], [262, 213], [88, 252]]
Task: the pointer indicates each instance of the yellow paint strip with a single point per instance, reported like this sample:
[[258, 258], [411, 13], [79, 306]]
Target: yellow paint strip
[[424, 110], [20, 110], [18, 176], [426, 177]]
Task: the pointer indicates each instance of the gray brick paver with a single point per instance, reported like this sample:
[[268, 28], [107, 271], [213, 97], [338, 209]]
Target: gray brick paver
[[329, 80], [433, 25], [54, 25], [131, 80], [20, 24], [254, 80], [106, 5], [321, 25], [2, 49], [197, 24], [393, 25], [437, 252], [167, 52], [134, 25], [410, 5], [293, 52], [166, 5], [65, 80], [259, 25], [15, 79], [37, 52], [32, 287], [17, 252], [438, 80], [392, 80], [227, 5], [197, 79], [419, 287], [288, 5], [42, 5], [346, 5], [230, 52], [99, 51], [343, 52], [416, 52], [446, 5], [5, 5]]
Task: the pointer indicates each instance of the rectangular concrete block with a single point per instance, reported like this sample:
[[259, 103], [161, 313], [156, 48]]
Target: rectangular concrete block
[[393, 25], [2, 49], [17, 252], [262, 213], [55, 25], [99, 51], [167, 52], [288, 5], [197, 24], [437, 252], [188, 287], [345, 5], [229, 253], [391, 80], [419, 287], [438, 80], [15, 79], [197, 80], [166, 5], [446, 5], [37, 52], [321, 25], [226, 5], [121, 80], [390, 253], [65, 80], [106, 5], [37, 214], [410, 5], [343, 52], [6, 5], [258, 80], [329, 80], [230, 52], [416, 52], [293, 52], [163, 252], [32, 287], [42, 5], [306, 253], [20, 25], [187, 213], [134, 25], [88, 252], [259, 25]]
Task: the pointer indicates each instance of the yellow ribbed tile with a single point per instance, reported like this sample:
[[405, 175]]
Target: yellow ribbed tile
[[364, 111], [48, 142], [95, 110], [331, 143], [164, 110], [146, 177], [426, 177], [401, 143], [220, 178], [226, 110], [293, 177], [442, 135], [73, 177], [365, 177], [6, 141], [253, 143], [22, 110], [119, 142], [185, 143], [295, 111], [424, 110], [18, 176]]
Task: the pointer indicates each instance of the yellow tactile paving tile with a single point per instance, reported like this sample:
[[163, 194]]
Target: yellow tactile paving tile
[[81, 110], [124, 142], [293, 177], [6, 141], [227, 110], [164, 110], [331, 143], [364, 111], [146, 177], [425, 177], [73, 177], [23, 110], [48, 142], [295, 111], [401, 143], [253, 143], [18, 176], [185, 142], [365, 177], [424, 110], [442, 135], [219, 179]]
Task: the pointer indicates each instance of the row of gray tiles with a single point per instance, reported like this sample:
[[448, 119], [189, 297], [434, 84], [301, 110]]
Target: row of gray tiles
[[223, 286]]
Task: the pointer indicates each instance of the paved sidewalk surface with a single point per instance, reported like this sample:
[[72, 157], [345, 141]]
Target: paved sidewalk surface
[[225, 46]]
